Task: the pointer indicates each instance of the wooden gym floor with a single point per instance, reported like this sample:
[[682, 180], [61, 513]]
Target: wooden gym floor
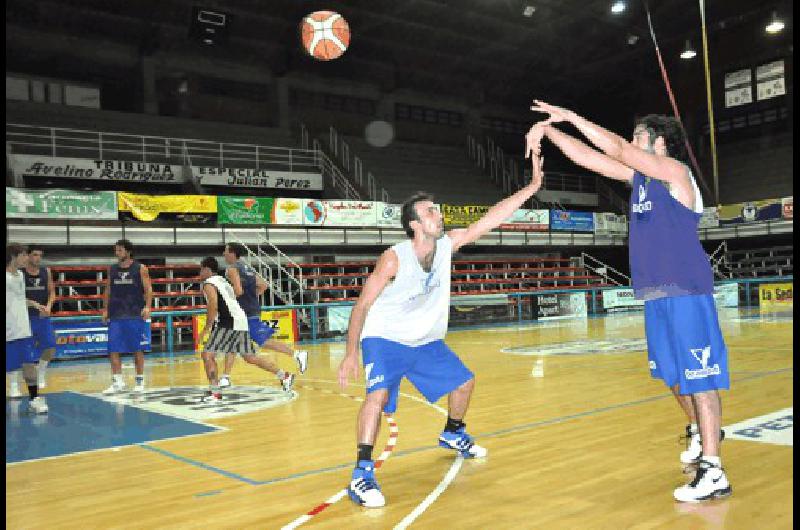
[[580, 440]]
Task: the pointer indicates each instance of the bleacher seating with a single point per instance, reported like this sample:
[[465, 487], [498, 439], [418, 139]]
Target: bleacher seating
[[403, 168], [761, 262], [343, 281]]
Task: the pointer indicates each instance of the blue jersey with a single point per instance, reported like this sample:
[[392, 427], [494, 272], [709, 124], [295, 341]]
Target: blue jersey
[[666, 256], [249, 299], [126, 299], [36, 288]]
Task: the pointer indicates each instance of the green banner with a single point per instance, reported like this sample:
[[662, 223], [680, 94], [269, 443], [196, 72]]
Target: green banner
[[60, 204], [244, 210]]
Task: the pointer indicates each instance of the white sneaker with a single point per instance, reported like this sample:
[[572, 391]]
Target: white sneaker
[[114, 389], [710, 482], [301, 356], [38, 405], [139, 388], [287, 382], [224, 382], [363, 488], [210, 397], [14, 393]]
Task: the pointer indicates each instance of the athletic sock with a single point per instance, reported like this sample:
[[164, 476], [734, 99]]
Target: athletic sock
[[33, 391], [118, 380], [139, 379], [281, 374], [693, 427], [364, 452], [14, 380], [225, 376], [43, 365], [717, 461], [453, 425]]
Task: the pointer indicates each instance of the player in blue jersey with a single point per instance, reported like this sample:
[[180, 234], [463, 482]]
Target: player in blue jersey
[[128, 297], [670, 271]]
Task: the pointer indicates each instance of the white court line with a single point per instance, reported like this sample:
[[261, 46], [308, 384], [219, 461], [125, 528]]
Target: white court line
[[432, 496]]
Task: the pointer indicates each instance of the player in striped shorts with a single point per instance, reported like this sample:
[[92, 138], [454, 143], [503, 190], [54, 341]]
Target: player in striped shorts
[[226, 328]]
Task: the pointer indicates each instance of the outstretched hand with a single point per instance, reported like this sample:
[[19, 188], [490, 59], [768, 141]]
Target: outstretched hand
[[557, 114]]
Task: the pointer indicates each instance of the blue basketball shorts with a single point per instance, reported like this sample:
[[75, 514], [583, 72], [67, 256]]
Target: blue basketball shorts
[[432, 368], [260, 331], [20, 351], [44, 337], [128, 335], [684, 343]]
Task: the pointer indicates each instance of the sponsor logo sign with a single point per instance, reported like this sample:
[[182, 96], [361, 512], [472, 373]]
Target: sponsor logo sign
[[528, 220], [726, 295], [574, 221], [620, 298], [148, 207], [773, 428], [83, 169], [775, 295], [388, 215], [559, 305], [284, 323], [287, 212], [244, 210], [60, 204], [462, 215]]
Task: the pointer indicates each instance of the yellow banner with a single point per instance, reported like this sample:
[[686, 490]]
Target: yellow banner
[[775, 295], [147, 207], [284, 323], [462, 215]]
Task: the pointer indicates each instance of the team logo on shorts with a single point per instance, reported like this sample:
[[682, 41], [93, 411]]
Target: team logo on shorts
[[702, 356], [652, 365], [371, 382]]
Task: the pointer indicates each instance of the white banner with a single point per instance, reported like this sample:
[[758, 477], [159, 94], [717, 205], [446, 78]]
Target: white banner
[[76, 168], [616, 298], [388, 215], [528, 220], [287, 212], [256, 178], [339, 213], [610, 223], [726, 295], [738, 78], [770, 80], [738, 88], [710, 218]]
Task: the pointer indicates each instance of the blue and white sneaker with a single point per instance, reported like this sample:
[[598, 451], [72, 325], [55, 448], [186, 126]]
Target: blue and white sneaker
[[363, 489], [462, 442]]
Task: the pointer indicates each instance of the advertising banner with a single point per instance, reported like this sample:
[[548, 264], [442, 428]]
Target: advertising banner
[[710, 218], [610, 223], [560, 305], [339, 213], [60, 204], [284, 322], [614, 299], [78, 168], [244, 210], [726, 295], [257, 178], [775, 296], [287, 212], [528, 221], [745, 212], [568, 220], [339, 318], [462, 215], [82, 339], [787, 205], [148, 207], [388, 215]]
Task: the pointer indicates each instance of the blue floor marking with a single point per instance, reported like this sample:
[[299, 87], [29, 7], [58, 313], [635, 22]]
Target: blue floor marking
[[78, 423], [407, 452]]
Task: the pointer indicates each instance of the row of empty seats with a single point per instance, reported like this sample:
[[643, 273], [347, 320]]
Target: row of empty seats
[[760, 262]]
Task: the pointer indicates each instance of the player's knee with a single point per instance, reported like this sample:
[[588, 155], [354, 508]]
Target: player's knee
[[377, 398], [249, 359], [468, 386]]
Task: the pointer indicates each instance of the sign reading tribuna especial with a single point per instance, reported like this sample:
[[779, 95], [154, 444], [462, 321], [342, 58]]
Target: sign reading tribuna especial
[[60, 204]]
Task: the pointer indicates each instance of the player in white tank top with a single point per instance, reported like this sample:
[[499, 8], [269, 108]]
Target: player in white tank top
[[402, 314]]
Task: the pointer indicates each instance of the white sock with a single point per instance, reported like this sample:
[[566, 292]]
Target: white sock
[[140, 379], [118, 380], [225, 376], [43, 365], [281, 374], [14, 379], [693, 427], [717, 461]]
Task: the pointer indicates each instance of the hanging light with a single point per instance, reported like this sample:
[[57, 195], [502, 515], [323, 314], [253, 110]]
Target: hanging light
[[776, 25], [688, 52], [618, 7]]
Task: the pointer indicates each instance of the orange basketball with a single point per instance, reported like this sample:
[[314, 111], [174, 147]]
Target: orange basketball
[[325, 35]]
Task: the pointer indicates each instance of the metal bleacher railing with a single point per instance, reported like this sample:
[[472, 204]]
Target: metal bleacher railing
[[98, 145]]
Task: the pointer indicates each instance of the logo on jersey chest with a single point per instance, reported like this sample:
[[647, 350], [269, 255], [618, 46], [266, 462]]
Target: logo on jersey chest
[[426, 285], [123, 278], [643, 205]]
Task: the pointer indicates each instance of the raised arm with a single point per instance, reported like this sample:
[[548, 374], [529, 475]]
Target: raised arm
[[648, 164], [385, 270], [589, 158], [501, 211]]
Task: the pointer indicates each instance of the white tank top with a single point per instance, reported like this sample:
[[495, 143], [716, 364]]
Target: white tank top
[[18, 325], [229, 299], [414, 308]]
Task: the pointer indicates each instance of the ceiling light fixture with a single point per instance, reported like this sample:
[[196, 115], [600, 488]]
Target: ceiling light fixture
[[618, 7], [688, 51], [776, 25], [529, 10]]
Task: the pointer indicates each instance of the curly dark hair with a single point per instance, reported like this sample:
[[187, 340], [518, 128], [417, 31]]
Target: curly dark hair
[[671, 130]]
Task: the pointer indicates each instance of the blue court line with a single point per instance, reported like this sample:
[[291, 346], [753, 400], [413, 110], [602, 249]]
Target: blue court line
[[501, 432], [208, 493]]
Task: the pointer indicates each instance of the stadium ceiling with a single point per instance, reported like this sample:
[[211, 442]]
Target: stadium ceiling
[[483, 50]]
